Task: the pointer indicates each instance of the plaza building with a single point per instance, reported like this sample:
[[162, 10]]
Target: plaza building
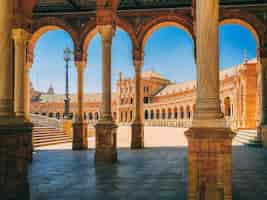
[[166, 103]]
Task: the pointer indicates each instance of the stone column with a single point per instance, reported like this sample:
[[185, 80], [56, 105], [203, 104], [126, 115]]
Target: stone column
[[106, 129], [80, 127], [208, 93], [262, 129], [15, 136], [27, 91], [209, 140], [6, 75], [21, 38], [137, 141]]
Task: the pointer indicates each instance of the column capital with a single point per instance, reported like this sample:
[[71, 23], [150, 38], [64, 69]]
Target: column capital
[[28, 66], [138, 64], [20, 35], [80, 65], [106, 31]]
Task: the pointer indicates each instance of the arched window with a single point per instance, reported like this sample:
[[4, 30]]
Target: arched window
[[146, 114], [151, 114], [163, 113], [157, 114], [188, 112], [114, 115], [121, 117], [182, 112], [96, 116], [169, 113], [175, 111], [227, 106], [90, 116], [131, 115], [126, 116]]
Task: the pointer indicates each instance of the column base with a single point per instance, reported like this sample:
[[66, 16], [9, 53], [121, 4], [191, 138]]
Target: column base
[[106, 141], [210, 163], [15, 153], [137, 141], [80, 136], [262, 134]]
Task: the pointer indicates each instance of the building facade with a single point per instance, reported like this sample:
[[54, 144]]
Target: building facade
[[165, 103]]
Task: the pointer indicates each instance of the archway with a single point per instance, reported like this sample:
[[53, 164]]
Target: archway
[[240, 69]]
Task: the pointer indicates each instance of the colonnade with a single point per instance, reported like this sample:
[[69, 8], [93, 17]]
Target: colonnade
[[209, 138]]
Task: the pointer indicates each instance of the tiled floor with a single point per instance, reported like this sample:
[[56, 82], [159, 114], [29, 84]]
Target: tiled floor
[[153, 173]]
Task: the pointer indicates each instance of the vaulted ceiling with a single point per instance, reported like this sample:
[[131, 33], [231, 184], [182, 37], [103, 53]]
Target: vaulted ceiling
[[44, 6]]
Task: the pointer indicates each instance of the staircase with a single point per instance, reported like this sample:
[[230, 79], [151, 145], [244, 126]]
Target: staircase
[[248, 137], [44, 136]]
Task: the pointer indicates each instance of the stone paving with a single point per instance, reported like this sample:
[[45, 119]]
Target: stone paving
[[157, 172]]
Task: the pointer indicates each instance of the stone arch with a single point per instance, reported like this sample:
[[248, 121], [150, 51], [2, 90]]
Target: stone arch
[[42, 26], [90, 31], [180, 21], [246, 20]]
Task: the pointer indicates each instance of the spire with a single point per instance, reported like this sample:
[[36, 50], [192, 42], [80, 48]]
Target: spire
[[51, 90]]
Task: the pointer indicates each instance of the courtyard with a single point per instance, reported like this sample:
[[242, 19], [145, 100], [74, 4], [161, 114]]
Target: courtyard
[[157, 172]]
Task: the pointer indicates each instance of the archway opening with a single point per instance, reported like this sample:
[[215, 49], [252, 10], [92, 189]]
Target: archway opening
[[239, 69], [48, 82]]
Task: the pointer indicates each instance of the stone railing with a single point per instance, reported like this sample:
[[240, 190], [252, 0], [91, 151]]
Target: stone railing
[[44, 121]]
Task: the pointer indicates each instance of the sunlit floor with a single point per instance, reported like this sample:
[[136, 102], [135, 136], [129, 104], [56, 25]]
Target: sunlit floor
[[157, 172]]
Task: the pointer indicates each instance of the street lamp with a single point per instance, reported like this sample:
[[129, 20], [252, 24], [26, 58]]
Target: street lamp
[[67, 58]]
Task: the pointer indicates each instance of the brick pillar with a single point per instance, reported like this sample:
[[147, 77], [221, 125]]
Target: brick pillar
[[209, 139]]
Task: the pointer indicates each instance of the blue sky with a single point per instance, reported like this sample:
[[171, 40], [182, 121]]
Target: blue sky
[[168, 51]]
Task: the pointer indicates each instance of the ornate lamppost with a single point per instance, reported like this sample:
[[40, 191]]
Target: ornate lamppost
[[67, 58]]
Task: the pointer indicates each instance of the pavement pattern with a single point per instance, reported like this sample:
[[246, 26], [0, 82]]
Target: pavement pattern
[[157, 172]]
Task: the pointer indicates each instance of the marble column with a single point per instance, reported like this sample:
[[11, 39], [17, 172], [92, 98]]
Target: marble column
[[106, 129], [80, 127], [137, 141], [209, 139], [15, 135], [262, 129]]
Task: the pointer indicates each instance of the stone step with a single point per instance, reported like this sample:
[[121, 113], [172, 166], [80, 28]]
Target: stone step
[[51, 140], [44, 136], [248, 137], [51, 143], [51, 137]]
